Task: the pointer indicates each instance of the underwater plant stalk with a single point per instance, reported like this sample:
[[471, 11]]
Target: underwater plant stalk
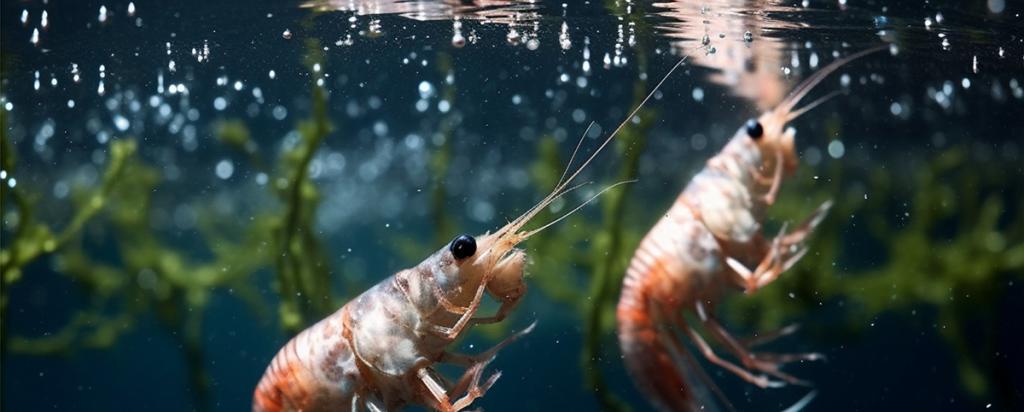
[[32, 240], [610, 255], [303, 272]]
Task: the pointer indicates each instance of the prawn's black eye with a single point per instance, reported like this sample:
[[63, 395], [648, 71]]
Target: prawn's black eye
[[754, 129], [463, 246]]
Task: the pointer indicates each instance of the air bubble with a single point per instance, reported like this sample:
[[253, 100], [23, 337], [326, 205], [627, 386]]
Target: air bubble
[[836, 149], [225, 169]]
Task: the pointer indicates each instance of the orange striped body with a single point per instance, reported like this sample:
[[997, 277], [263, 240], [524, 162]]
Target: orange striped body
[[681, 262], [315, 371], [657, 284], [710, 240], [343, 360]]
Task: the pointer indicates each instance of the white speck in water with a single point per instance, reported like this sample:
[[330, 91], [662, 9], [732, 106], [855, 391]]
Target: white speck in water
[[939, 18], [748, 36], [945, 44], [836, 149], [844, 80], [996, 6], [61, 189], [965, 83], [974, 64], [238, 85], [35, 37], [172, 67], [896, 108], [225, 169], [813, 61], [44, 20], [787, 71], [8, 106], [512, 37], [287, 34], [698, 94], [101, 88], [426, 89], [279, 112], [444, 106], [482, 211], [458, 41], [3, 174], [698, 142], [131, 8], [71, 103], [533, 44], [578, 115], [316, 67], [272, 75], [563, 37], [35, 83], [220, 103], [24, 16], [380, 129], [12, 182], [103, 14], [261, 178], [121, 123]]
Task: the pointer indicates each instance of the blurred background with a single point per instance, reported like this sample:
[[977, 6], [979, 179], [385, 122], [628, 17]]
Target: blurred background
[[186, 185]]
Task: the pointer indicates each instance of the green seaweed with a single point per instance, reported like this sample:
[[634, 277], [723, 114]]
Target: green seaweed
[[303, 274], [151, 276], [612, 246], [960, 277]]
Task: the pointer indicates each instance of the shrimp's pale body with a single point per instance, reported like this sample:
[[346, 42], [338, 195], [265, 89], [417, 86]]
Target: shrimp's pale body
[[710, 241], [379, 351]]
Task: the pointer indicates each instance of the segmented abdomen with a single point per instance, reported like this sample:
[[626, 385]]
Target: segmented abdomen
[[647, 358], [673, 266], [315, 371]]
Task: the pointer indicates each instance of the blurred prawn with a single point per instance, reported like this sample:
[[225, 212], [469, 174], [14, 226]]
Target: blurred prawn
[[710, 240]]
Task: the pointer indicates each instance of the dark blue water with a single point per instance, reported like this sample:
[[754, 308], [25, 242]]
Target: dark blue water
[[403, 85]]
